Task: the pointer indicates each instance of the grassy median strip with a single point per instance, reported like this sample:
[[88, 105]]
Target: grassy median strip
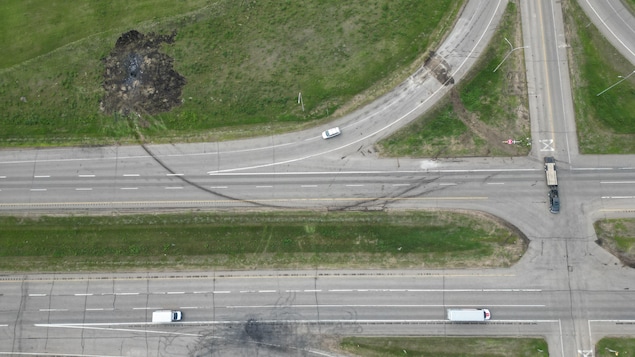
[[445, 346], [479, 114], [615, 346], [604, 108], [263, 240], [244, 62]]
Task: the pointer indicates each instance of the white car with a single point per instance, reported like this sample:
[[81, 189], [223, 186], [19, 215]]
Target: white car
[[331, 133]]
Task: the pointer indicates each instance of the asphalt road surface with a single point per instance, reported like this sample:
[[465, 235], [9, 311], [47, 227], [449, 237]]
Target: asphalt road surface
[[566, 288]]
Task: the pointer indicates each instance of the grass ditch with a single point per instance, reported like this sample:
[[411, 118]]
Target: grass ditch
[[605, 123], [258, 240], [244, 61], [486, 109], [444, 346], [618, 237], [615, 346]]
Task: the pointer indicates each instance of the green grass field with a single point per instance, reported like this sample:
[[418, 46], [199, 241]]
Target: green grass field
[[244, 61], [618, 237], [492, 97], [605, 123], [445, 347], [31, 28], [615, 346], [240, 241]]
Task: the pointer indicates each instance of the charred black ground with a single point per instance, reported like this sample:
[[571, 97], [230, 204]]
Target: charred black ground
[[138, 78]]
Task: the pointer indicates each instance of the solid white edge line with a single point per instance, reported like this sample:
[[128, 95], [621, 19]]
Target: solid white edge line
[[224, 322], [310, 306], [330, 173], [608, 28]]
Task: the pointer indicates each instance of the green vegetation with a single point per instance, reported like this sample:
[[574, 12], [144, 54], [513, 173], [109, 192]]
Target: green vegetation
[[445, 346], [618, 237], [605, 123], [615, 346], [242, 241], [427, 137], [244, 61], [497, 99], [33, 28]]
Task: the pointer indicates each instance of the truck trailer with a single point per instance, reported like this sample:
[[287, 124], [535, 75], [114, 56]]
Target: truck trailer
[[468, 315], [162, 316], [550, 172]]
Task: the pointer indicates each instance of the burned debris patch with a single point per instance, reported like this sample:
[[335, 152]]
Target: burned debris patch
[[138, 78]]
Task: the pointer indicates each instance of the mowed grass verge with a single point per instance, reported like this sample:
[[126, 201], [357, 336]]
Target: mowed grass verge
[[445, 346], [615, 346], [257, 240], [618, 237], [244, 61], [482, 111], [605, 123], [36, 27]]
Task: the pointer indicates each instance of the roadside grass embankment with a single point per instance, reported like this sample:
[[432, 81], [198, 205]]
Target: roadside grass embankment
[[445, 346], [486, 109], [258, 240], [34, 28], [605, 122], [618, 237], [244, 62], [615, 346]]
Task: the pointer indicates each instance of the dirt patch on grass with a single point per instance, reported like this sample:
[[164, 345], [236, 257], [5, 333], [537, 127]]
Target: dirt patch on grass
[[138, 78], [440, 69]]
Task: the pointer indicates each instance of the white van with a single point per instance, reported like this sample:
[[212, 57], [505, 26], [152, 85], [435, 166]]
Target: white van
[[162, 316]]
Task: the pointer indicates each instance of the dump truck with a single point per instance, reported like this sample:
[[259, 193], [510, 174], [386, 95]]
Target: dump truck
[[162, 316], [468, 315], [550, 172]]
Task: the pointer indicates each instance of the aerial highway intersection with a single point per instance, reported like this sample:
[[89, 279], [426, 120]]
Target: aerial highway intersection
[[566, 288]]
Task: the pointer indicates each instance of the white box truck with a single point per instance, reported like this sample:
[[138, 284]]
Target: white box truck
[[162, 316], [468, 315]]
